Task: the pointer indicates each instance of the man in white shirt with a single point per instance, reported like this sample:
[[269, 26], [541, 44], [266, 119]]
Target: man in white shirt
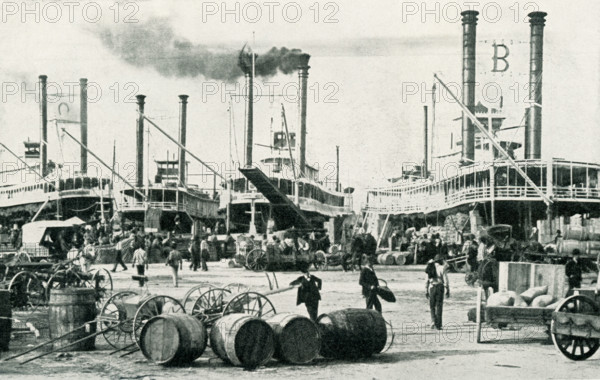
[[434, 290], [140, 261]]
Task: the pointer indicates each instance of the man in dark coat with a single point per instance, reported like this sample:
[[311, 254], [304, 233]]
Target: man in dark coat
[[574, 271], [308, 292], [357, 249], [369, 282]]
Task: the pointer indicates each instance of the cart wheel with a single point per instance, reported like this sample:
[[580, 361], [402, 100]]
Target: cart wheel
[[251, 303], [26, 291], [568, 345], [22, 257], [112, 313], [257, 260], [192, 296], [65, 278], [102, 283], [209, 306], [347, 262], [459, 266], [471, 278], [320, 260], [153, 306], [236, 288]]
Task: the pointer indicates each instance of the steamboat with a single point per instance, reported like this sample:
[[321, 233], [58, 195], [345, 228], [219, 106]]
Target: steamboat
[[282, 190], [38, 188], [494, 182], [167, 202]]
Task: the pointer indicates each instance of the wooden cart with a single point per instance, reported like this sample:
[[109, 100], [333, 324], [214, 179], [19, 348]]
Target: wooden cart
[[519, 277]]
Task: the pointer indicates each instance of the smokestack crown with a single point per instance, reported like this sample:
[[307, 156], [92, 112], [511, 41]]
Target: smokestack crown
[[43, 77], [184, 98], [470, 17], [140, 98], [303, 61], [537, 18]]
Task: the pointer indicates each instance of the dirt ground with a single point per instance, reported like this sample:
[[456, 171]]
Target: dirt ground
[[417, 351]]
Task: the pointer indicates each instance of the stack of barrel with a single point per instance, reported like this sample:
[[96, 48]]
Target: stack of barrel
[[393, 258], [585, 237], [246, 341]]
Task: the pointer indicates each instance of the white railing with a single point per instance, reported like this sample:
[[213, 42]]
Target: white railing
[[427, 200], [209, 207]]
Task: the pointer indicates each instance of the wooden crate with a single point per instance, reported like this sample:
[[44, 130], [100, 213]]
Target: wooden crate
[[519, 277]]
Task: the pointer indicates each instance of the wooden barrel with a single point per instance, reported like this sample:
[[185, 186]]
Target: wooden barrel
[[242, 340], [593, 247], [5, 319], [385, 259], [399, 258], [566, 247], [352, 333], [173, 339], [297, 339], [593, 232], [69, 309], [574, 233]]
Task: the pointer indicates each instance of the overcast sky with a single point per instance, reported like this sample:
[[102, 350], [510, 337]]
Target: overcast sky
[[367, 60]]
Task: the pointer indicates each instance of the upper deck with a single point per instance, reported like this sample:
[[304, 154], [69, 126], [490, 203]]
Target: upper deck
[[453, 186]]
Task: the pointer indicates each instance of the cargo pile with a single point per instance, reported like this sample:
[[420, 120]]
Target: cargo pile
[[576, 233], [533, 297], [394, 258]]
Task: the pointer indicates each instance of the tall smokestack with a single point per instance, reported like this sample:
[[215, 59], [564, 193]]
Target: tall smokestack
[[43, 125], [83, 121], [425, 145], [250, 117], [533, 127], [303, 77], [182, 136], [469, 21], [139, 138]]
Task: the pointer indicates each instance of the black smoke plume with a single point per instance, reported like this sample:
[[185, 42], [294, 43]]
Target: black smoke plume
[[154, 44]]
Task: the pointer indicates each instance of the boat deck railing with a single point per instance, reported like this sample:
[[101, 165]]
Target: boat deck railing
[[208, 208], [429, 200]]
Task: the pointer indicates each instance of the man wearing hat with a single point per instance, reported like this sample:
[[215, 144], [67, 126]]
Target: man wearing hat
[[369, 282], [175, 262], [308, 291], [574, 271], [434, 290]]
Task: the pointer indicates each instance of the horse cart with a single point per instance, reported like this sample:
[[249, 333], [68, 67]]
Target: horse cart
[[575, 326], [291, 253]]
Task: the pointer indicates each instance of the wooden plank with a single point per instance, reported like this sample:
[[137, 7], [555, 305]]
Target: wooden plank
[[511, 314], [514, 276], [551, 275]]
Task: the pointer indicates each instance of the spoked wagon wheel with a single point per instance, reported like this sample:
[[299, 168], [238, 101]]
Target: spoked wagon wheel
[[22, 257], [152, 307], [119, 308], [568, 345], [348, 262], [251, 303], [459, 266], [236, 288], [472, 278], [26, 291], [257, 260], [65, 278], [320, 260], [192, 296], [102, 283], [209, 306]]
